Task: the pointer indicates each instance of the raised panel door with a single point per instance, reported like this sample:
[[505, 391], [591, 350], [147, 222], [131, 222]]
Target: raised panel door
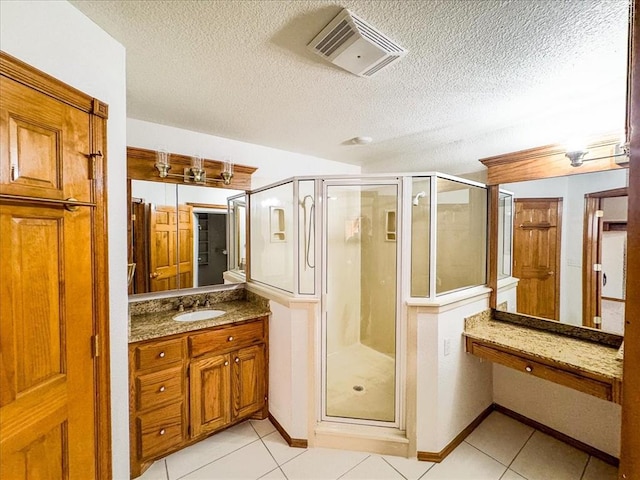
[[248, 383], [45, 148], [209, 380]]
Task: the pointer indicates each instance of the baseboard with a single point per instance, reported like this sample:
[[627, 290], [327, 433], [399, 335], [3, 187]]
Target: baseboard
[[442, 454], [293, 442], [605, 457]]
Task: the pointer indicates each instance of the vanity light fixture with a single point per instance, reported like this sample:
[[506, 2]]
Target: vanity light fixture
[[162, 163], [196, 172], [199, 174], [227, 172], [621, 155]]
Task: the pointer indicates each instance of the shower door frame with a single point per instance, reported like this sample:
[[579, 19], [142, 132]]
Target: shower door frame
[[400, 327]]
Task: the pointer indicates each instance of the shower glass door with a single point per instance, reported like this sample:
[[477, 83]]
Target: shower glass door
[[360, 302]]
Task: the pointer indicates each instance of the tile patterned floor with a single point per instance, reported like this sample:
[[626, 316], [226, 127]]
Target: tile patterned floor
[[499, 449]]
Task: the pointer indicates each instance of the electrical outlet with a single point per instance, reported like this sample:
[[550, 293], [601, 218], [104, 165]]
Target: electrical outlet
[[447, 346]]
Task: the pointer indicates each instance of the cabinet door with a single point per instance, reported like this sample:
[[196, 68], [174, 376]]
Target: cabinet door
[[210, 407], [248, 383]]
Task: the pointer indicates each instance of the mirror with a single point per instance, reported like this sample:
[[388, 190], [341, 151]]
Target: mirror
[[178, 235], [552, 247]]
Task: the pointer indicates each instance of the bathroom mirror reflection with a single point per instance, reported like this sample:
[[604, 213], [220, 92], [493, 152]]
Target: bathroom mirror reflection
[[569, 248], [178, 236]]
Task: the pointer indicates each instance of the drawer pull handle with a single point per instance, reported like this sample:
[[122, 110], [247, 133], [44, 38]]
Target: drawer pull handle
[[162, 432], [230, 339], [226, 363], [528, 368], [162, 388], [161, 354], [237, 360]]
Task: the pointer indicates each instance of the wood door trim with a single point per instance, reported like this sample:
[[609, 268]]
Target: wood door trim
[[629, 452], [591, 286], [35, 79]]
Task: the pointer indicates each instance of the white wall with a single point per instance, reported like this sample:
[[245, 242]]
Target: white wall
[[589, 419], [59, 40], [272, 164], [454, 388]]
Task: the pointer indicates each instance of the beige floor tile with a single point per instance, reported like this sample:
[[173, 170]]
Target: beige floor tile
[[209, 449], [410, 468], [274, 475], [500, 437], [511, 475], [157, 471], [249, 463], [598, 470], [280, 449], [322, 464], [373, 468], [466, 463], [263, 427], [544, 458]]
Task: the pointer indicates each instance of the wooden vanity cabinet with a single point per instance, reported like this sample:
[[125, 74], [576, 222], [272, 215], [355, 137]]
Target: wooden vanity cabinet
[[187, 386], [227, 376], [157, 400]]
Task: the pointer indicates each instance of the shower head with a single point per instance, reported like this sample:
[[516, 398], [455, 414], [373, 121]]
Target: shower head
[[416, 199]]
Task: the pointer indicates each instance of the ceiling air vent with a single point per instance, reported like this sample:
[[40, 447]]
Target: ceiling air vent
[[351, 43]]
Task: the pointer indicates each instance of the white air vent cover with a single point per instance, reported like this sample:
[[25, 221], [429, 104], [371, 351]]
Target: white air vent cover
[[353, 44]]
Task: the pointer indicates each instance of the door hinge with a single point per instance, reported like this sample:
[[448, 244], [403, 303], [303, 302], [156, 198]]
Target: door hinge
[[96, 345], [92, 164], [597, 267], [597, 321], [599, 213]]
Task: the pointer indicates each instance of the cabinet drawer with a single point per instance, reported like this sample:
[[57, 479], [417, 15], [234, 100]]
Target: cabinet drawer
[[227, 338], [158, 354], [556, 375], [158, 388], [159, 430]]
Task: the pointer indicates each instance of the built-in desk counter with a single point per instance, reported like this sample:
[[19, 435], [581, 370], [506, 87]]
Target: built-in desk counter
[[550, 351]]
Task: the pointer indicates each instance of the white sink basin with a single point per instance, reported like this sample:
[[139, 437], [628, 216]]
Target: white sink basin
[[199, 315]]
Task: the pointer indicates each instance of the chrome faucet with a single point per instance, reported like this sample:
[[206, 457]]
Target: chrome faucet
[[195, 305], [207, 303]]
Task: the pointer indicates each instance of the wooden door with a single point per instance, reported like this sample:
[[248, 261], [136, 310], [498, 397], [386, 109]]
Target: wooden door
[[209, 380], [163, 266], [536, 256], [248, 381], [48, 387]]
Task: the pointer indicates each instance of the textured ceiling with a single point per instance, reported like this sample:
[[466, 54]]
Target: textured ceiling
[[482, 77]]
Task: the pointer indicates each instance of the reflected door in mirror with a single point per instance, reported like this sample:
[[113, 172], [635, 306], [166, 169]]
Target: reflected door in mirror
[[536, 244]]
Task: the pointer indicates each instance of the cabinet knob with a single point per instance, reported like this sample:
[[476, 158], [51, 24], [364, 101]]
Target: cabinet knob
[[162, 388], [237, 360], [230, 339], [161, 354], [528, 368], [226, 363], [162, 432]]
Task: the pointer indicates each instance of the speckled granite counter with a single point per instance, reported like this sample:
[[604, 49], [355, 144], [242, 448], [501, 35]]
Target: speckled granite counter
[[155, 324], [579, 354]]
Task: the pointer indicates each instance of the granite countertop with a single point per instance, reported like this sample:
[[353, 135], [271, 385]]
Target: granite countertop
[[584, 355], [146, 326]]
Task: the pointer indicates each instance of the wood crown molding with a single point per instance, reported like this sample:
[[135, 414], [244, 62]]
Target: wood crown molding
[[550, 161], [141, 161], [25, 74]]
